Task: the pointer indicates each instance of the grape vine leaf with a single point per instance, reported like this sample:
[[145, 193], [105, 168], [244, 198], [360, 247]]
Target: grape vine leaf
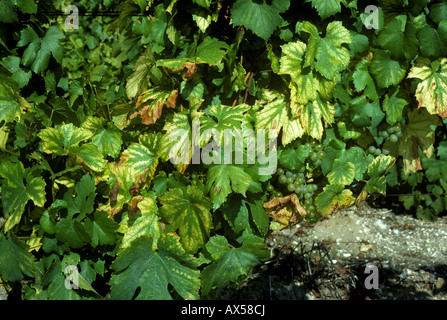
[[223, 179], [18, 187], [376, 172], [363, 80], [139, 80], [399, 37], [151, 102], [226, 117], [138, 266], [15, 259], [341, 173], [416, 134], [101, 228], [312, 114], [393, 107], [178, 140], [326, 8], [276, 116], [188, 212], [333, 198], [37, 54], [64, 139], [72, 232], [331, 56], [231, 263], [431, 93], [11, 103], [386, 72], [107, 137], [261, 17], [143, 223]]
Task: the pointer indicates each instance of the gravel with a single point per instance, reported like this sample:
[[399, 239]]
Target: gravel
[[327, 260]]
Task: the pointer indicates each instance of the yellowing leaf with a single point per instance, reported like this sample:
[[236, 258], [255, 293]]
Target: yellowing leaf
[[431, 93]]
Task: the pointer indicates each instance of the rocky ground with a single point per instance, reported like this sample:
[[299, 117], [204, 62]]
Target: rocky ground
[[327, 260]]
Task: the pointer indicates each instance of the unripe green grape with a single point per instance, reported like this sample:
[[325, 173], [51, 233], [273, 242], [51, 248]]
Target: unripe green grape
[[371, 149], [296, 183], [289, 174], [280, 171], [302, 169], [399, 134], [270, 188], [314, 157], [319, 147], [378, 152], [317, 163], [390, 130], [278, 194], [282, 179], [397, 129], [314, 187], [385, 134], [298, 189], [291, 187], [307, 195], [321, 154], [290, 180], [393, 138]]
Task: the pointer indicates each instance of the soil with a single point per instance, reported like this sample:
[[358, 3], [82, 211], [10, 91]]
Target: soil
[[327, 260]]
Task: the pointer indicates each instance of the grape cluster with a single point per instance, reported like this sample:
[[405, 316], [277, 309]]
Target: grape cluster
[[289, 181], [391, 134]]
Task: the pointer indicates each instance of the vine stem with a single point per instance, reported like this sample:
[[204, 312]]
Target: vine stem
[[248, 86]]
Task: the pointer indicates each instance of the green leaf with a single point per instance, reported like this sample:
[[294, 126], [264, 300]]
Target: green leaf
[[189, 212], [210, 51], [72, 232], [293, 159], [85, 198], [102, 229], [18, 187], [431, 92], [363, 80], [15, 259], [261, 17], [399, 37], [139, 267], [393, 107], [231, 263], [37, 54], [386, 72], [326, 8], [333, 197], [90, 155], [432, 41]]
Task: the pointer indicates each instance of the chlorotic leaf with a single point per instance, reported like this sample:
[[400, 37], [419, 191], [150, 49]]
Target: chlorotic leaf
[[18, 187], [386, 72], [189, 212], [431, 93], [333, 198]]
